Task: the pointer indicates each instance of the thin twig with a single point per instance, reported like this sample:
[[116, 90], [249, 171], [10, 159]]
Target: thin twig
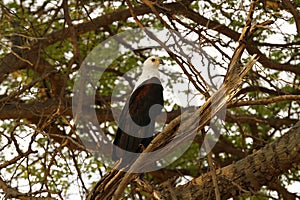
[[213, 170]]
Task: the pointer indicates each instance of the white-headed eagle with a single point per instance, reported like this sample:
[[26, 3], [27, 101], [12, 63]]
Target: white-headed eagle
[[137, 120]]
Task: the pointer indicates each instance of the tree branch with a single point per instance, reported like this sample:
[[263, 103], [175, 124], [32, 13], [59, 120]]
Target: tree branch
[[14, 193], [265, 101], [250, 173], [11, 63], [290, 7]]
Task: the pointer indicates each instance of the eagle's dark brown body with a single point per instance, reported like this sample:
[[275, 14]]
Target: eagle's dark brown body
[[137, 120]]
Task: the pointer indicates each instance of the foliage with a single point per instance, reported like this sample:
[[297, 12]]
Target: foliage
[[40, 56]]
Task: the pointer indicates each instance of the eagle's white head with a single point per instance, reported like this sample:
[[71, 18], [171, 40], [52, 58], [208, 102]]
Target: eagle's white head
[[152, 62], [150, 69]]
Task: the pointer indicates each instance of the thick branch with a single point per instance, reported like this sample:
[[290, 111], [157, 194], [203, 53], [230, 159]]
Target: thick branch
[[34, 109], [250, 173]]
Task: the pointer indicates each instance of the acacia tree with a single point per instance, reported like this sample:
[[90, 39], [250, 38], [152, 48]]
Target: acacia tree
[[43, 45]]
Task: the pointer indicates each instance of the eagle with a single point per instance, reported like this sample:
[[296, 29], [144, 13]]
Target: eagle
[[136, 123]]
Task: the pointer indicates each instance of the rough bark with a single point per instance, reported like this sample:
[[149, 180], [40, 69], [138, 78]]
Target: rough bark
[[248, 174]]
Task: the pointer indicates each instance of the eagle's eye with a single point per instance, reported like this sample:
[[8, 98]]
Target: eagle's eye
[[153, 59]]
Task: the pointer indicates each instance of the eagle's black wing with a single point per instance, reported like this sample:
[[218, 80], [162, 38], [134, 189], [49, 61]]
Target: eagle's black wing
[[135, 125]]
